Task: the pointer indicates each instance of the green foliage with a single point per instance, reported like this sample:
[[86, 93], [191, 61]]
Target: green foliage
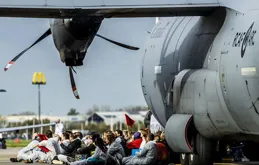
[[98, 127], [12, 143], [72, 112]]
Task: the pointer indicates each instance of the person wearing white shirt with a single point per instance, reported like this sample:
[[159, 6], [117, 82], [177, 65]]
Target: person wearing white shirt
[[59, 128]]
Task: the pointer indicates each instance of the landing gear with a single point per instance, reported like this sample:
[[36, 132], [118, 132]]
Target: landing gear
[[251, 151], [184, 158], [203, 152]]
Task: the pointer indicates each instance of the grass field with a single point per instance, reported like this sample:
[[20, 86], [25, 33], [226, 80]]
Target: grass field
[[15, 143]]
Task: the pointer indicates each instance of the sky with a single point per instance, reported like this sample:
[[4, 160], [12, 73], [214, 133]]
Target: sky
[[110, 74]]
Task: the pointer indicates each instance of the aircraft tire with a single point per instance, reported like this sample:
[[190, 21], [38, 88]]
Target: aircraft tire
[[251, 151], [184, 159], [203, 151]]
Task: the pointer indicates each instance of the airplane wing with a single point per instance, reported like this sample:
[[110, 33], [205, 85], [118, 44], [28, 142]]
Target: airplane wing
[[106, 8], [24, 127]]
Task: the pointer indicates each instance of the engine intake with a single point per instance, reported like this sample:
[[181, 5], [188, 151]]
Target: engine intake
[[179, 129]]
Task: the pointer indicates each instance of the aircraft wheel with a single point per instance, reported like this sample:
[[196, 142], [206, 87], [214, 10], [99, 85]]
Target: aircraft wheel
[[184, 158], [251, 150], [203, 151]]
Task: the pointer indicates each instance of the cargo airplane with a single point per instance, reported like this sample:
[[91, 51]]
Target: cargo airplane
[[199, 69]]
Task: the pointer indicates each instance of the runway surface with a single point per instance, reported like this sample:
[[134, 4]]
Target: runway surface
[[6, 154]]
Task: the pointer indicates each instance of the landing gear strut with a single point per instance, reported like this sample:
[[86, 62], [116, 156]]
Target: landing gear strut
[[203, 152]]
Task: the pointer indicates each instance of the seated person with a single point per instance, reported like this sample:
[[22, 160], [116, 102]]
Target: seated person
[[162, 152], [135, 144], [26, 151], [65, 141], [144, 133], [147, 156], [49, 149], [99, 156], [71, 149], [90, 147], [115, 151]]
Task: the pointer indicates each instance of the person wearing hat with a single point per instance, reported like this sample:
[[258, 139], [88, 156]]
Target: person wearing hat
[[135, 144]]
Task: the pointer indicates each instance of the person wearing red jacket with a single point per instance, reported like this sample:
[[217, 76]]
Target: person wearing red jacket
[[135, 144]]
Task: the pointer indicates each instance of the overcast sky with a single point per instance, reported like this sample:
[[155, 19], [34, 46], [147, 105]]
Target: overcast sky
[[110, 75]]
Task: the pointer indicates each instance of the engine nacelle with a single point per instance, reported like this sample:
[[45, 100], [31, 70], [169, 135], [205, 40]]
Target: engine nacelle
[[198, 92], [179, 130], [72, 37]]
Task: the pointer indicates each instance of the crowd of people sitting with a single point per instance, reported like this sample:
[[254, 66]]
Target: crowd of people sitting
[[110, 148]]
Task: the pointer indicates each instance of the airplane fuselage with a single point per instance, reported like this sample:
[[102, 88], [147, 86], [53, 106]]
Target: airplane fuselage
[[204, 69]]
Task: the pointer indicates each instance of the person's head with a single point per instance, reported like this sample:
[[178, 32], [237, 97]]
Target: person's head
[[100, 143], [72, 137], [49, 134], [94, 136], [125, 133], [79, 135], [118, 133], [65, 136], [109, 137], [56, 137], [150, 137], [159, 133], [143, 133], [35, 136], [137, 135], [131, 135], [162, 136], [157, 137], [58, 121], [88, 139], [69, 132]]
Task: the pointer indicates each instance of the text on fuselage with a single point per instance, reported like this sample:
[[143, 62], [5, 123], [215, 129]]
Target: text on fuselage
[[244, 39]]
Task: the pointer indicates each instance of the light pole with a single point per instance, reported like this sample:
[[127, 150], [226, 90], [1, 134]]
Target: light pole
[[39, 79]]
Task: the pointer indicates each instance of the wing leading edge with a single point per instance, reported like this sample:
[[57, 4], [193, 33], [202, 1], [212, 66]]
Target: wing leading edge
[[106, 8], [24, 127]]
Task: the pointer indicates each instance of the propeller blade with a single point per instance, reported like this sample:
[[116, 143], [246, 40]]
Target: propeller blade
[[118, 43], [46, 34], [73, 84]]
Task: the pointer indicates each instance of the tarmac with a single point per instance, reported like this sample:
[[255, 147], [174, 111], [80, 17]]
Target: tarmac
[[6, 154]]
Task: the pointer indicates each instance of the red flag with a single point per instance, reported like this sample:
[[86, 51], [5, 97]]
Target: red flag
[[129, 121]]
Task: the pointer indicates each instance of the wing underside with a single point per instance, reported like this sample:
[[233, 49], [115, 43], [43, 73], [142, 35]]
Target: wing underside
[[106, 8], [24, 127]]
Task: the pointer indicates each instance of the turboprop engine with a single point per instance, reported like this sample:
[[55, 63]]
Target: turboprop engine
[[72, 37]]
